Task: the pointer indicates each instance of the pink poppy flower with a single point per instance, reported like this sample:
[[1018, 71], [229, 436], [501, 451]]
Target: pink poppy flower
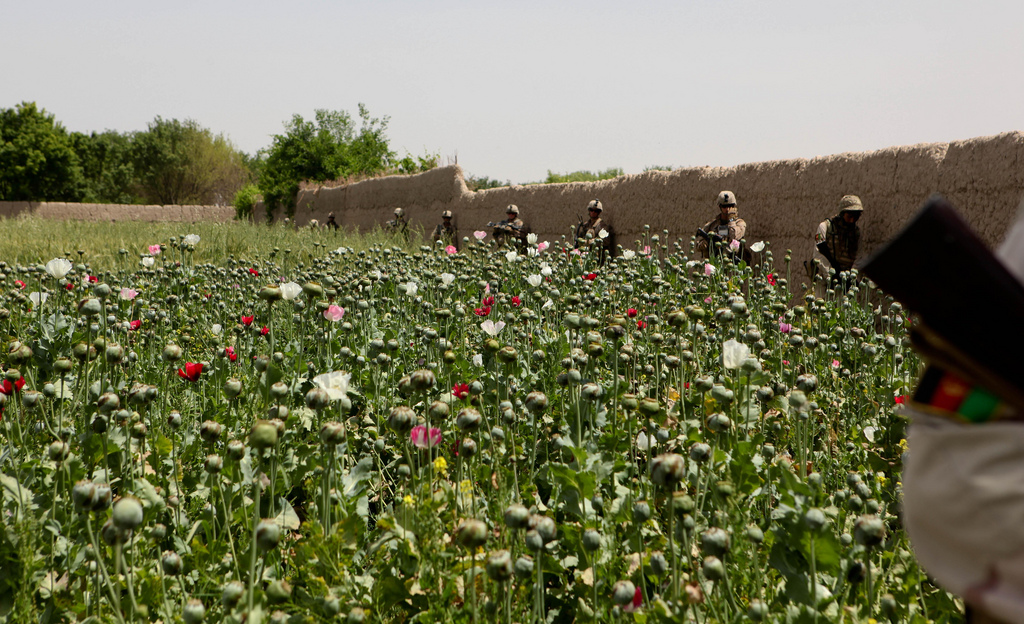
[[334, 313], [451, 250], [422, 438], [154, 250]]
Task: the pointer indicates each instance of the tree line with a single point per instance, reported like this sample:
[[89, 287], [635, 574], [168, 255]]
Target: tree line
[[181, 162]]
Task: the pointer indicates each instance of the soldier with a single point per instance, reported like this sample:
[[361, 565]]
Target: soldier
[[511, 230], [398, 225], [838, 238], [595, 233], [331, 223], [445, 232], [724, 229]]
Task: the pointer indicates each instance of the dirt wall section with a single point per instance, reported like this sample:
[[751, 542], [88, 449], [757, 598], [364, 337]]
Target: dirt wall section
[[782, 201], [115, 212]]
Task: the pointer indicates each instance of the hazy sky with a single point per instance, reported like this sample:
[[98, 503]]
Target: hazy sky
[[514, 89]]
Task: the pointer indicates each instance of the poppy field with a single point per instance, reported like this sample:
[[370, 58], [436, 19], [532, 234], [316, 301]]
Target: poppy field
[[384, 432]]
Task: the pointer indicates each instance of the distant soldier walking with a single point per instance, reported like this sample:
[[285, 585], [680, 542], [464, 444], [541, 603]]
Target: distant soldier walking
[[445, 232], [510, 231], [727, 229], [595, 234]]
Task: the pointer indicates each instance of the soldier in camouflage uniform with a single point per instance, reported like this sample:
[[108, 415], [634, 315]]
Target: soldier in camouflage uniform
[[398, 225], [445, 232], [596, 233], [725, 228], [511, 230], [838, 238]]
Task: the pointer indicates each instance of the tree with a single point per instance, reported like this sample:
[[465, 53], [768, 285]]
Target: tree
[[322, 149], [106, 161], [37, 160], [582, 176], [180, 162]]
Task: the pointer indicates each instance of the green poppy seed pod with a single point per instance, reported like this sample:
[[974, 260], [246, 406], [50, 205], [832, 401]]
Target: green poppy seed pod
[[668, 470], [114, 353], [523, 567], [722, 394], [139, 430], [658, 563], [623, 592], [194, 612], [213, 464], [476, 388], [468, 446], [355, 616], [715, 541], [544, 526], [30, 398], [107, 403], [279, 390], [471, 534], [856, 573], [750, 365], [83, 494], [572, 321], [103, 497], [615, 332], [765, 394], [171, 563], [332, 607], [718, 423], [574, 375], [491, 345], [678, 319], [263, 434], [450, 357], [499, 566], [268, 534], [90, 306], [591, 540], [533, 540], [270, 293], [755, 534], [700, 452], [111, 534], [261, 362], [174, 419], [641, 512], [82, 350], [405, 386], [649, 406], [590, 392], [127, 514], [713, 568], [757, 610], [855, 503], [171, 353], [232, 388], [332, 433], [317, 399], [58, 450], [536, 402], [703, 383], [232, 593], [807, 383], [157, 532], [313, 290], [595, 349], [724, 488], [815, 520], [402, 419], [888, 605], [210, 431], [438, 411], [517, 516], [236, 450], [869, 530], [508, 355], [672, 362], [468, 420], [63, 365], [629, 402], [422, 380]]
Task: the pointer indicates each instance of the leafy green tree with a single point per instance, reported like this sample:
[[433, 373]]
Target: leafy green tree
[[180, 162], [106, 161], [324, 148], [37, 158], [475, 183], [582, 176]]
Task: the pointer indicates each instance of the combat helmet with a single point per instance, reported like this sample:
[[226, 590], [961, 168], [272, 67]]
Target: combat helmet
[[727, 198], [512, 209], [447, 214], [850, 203], [595, 205], [399, 212]]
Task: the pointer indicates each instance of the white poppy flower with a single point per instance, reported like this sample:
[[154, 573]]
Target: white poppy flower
[[335, 383], [290, 290], [148, 261], [535, 280], [645, 443], [545, 271], [447, 279], [492, 328], [511, 256], [531, 238], [628, 254], [757, 247], [191, 239], [602, 234], [38, 298], [58, 267], [532, 252], [733, 353], [217, 329], [478, 360], [411, 289], [547, 304]]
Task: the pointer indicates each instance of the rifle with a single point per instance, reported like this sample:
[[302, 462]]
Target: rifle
[[710, 237], [823, 249], [941, 271]]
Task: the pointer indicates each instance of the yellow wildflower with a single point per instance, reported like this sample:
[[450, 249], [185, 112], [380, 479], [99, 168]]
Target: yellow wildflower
[[408, 500], [903, 445], [440, 465], [466, 485]]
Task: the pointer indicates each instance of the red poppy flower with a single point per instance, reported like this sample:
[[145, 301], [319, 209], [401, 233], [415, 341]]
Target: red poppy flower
[[771, 279], [229, 353], [631, 313], [488, 301], [253, 271], [900, 399], [92, 279], [69, 286], [516, 301], [8, 388], [484, 311], [247, 320], [641, 324], [460, 390], [20, 284], [134, 325], [192, 371], [590, 277], [264, 331], [686, 385]]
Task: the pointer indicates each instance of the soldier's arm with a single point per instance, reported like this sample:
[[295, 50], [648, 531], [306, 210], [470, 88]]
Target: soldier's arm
[[738, 230]]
